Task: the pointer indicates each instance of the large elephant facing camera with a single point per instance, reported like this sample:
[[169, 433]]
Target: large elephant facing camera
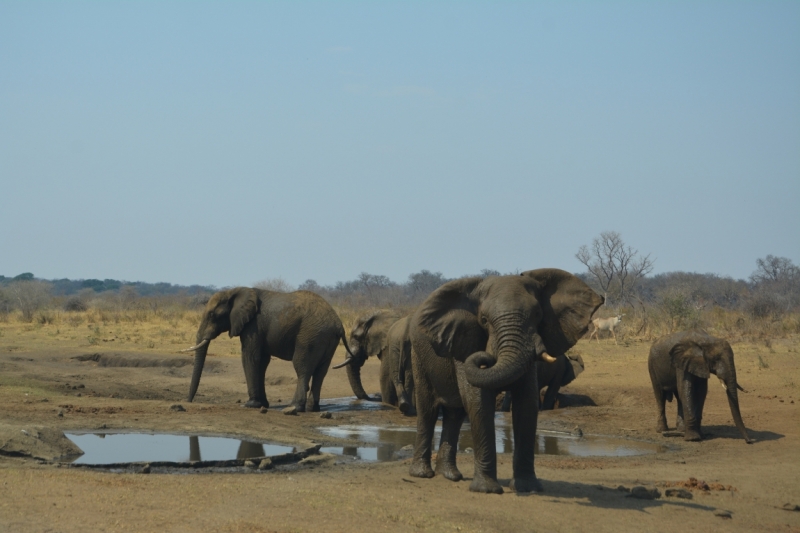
[[299, 326], [680, 365], [475, 337]]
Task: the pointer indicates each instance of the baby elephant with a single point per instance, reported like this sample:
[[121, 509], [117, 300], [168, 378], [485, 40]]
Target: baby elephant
[[682, 363]]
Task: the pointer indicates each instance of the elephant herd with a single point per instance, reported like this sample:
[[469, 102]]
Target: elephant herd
[[471, 339]]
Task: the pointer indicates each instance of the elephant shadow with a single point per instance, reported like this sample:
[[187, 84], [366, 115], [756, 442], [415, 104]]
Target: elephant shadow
[[605, 497], [731, 432]]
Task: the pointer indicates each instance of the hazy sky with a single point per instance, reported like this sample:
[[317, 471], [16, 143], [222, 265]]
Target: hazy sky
[[227, 143]]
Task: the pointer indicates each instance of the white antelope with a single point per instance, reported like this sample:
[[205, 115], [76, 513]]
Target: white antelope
[[605, 324]]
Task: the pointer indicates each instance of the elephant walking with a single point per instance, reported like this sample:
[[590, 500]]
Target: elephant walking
[[680, 365], [475, 337], [298, 326], [383, 334]]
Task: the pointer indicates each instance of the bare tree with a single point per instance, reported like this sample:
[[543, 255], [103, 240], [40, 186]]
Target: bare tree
[[29, 296], [274, 284], [615, 267]]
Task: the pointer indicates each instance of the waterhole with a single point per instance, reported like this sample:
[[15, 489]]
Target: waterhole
[[393, 442], [102, 448]]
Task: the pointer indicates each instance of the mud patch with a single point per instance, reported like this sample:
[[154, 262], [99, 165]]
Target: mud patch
[[141, 361]]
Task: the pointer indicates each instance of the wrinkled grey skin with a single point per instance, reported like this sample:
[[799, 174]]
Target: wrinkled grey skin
[[376, 335], [298, 326], [553, 376], [680, 365], [475, 337], [397, 378]]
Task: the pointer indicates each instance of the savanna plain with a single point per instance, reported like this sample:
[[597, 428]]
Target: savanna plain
[[56, 373]]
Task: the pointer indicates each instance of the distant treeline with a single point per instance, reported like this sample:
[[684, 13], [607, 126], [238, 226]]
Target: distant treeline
[[69, 287]]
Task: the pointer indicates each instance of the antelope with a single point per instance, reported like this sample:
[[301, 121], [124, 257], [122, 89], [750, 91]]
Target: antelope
[[605, 324]]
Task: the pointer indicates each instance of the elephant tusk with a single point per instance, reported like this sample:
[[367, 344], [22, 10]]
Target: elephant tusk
[[346, 362], [549, 358], [723, 385], [193, 348]]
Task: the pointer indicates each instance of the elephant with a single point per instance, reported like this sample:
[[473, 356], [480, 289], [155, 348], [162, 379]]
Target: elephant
[[680, 365], [383, 334], [552, 376], [474, 337], [299, 326]]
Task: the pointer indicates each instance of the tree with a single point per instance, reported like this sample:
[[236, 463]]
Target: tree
[[615, 267], [776, 286], [274, 284], [29, 296]]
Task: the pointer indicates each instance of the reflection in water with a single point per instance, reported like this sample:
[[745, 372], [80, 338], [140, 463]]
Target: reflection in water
[[385, 442], [139, 447]]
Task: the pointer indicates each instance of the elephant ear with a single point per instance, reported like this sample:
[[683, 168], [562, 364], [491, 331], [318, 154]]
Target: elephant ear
[[574, 369], [243, 309], [449, 315], [688, 356], [567, 307]]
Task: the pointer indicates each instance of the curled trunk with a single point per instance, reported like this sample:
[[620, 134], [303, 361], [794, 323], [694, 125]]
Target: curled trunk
[[199, 361], [514, 358]]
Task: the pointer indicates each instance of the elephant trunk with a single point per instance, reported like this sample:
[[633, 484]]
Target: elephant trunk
[[514, 358], [733, 402], [354, 376], [199, 360]]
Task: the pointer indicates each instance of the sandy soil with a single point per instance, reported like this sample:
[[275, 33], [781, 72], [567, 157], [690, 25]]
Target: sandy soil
[[44, 387]]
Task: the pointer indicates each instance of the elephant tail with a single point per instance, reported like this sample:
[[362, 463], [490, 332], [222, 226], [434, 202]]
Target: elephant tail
[[349, 357]]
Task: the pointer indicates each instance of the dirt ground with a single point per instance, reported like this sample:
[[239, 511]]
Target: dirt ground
[[43, 384]]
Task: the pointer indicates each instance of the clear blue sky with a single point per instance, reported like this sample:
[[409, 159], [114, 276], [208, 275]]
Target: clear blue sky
[[223, 143]]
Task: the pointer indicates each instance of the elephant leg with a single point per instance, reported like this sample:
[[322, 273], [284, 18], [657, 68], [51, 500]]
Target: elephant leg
[[661, 403], [506, 407], [255, 359], [427, 413], [525, 417], [680, 423], [550, 397], [448, 447], [700, 391], [319, 376]]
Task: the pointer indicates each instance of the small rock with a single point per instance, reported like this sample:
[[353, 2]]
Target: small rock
[[790, 507], [623, 488], [176, 407], [102, 426], [265, 464], [643, 493], [79, 395], [238, 401], [145, 469], [326, 414], [466, 450], [722, 514], [60, 414], [263, 410], [291, 410], [250, 464], [577, 432], [678, 493]]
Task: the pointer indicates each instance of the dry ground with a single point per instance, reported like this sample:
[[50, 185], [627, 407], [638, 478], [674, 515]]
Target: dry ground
[[40, 378]]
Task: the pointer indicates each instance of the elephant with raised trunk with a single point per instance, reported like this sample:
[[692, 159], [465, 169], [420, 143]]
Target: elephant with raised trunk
[[299, 326], [475, 337], [680, 365], [383, 334]]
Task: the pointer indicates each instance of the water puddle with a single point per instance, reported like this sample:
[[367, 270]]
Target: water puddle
[[388, 443], [351, 403], [101, 448]]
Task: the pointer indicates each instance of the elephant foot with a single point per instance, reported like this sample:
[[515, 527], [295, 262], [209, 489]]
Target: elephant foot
[[526, 484], [256, 404], [661, 427], [421, 468], [679, 425], [448, 470], [692, 435], [404, 405], [485, 484]]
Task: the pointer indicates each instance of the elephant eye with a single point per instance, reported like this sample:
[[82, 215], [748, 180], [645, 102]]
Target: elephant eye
[[483, 320]]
